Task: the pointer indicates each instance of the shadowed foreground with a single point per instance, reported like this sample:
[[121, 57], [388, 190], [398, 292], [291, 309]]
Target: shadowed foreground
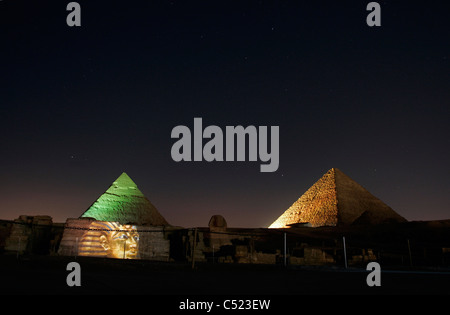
[[47, 275]]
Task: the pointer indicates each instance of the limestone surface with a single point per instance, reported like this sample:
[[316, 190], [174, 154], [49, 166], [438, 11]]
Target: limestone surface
[[123, 202], [336, 200]]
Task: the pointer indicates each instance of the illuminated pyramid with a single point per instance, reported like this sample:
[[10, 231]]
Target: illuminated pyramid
[[123, 202], [336, 200]]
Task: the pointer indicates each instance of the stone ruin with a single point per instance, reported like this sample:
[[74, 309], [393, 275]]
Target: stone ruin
[[334, 204], [32, 234]]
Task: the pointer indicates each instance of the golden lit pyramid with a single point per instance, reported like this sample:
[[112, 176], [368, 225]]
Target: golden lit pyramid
[[336, 200], [123, 202]]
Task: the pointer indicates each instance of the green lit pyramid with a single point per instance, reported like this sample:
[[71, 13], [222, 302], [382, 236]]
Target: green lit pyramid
[[123, 202]]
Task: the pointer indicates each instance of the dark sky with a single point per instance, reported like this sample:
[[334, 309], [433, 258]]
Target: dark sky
[[80, 105]]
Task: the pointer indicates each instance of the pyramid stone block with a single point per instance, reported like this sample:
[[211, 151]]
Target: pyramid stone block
[[336, 200], [123, 202]]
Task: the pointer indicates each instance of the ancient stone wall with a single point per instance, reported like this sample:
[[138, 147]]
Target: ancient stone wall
[[312, 257], [5, 231], [154, 243], [30, 234]]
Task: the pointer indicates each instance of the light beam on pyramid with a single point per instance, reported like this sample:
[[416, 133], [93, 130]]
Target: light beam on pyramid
[[336, 200], [123, 202]]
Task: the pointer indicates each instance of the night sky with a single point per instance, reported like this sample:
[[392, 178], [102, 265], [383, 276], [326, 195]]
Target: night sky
[[81, 105]]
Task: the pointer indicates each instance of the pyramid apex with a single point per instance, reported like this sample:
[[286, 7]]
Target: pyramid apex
[[336, 172], [124, 175], [124, 181]]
